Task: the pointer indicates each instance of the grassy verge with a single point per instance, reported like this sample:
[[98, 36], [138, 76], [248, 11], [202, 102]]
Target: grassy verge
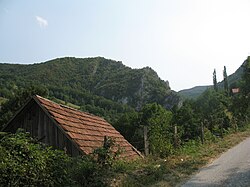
[[177, 168]]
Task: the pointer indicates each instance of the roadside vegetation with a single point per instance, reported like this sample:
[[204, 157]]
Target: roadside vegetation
[[176, 142], [26, 162]]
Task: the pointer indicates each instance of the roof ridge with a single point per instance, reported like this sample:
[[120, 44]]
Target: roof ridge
[[68, 107]]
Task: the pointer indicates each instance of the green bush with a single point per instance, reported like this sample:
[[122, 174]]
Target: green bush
[[106, 155], [208, 136], [158, 121], [84, 171], [27, 163]]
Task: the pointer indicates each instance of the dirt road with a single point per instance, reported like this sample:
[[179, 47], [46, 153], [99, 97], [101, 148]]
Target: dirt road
[[230, 169]]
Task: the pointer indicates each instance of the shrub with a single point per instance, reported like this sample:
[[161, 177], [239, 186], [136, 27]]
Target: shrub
[[24, 162], [84, 171], [106, 155]]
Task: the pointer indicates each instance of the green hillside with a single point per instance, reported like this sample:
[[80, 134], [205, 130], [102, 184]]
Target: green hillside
[[100, 86], [196, 91]]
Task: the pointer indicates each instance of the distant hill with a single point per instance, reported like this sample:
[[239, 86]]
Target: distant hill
[[196, 91], [105, 85]]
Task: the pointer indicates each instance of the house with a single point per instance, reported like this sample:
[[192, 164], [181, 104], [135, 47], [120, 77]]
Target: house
[[235, 90], [66, 128]]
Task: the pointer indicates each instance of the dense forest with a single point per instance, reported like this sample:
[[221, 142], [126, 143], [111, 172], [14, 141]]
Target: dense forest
[[136, 100], [100, 86], [218, 111]]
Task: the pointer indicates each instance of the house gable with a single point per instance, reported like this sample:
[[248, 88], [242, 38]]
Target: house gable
[[33, 118], [67, 128]]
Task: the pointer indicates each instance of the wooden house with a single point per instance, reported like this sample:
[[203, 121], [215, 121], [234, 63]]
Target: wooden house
[[66, 128]]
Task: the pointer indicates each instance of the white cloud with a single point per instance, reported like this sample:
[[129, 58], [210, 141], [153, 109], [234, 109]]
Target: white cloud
[[42, 22]]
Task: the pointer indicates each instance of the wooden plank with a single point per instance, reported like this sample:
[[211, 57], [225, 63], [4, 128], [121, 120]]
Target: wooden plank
[[75, 151], [29, 122], [35, 121], [60, 140], [64, 139], [9, 126], [42, 126], [25, 122], [69, 147], [21, 122], [39, 125], [46, 121], [52, 138], [56, 137], [50, 132]]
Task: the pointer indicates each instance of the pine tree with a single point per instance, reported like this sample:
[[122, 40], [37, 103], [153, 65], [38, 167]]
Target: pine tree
[[215, 81]]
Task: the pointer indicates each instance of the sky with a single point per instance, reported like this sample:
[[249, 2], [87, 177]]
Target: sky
[[182, 40]]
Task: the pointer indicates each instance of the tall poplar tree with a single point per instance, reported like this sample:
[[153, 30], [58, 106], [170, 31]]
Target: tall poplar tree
[[225, 80], [215, 81]]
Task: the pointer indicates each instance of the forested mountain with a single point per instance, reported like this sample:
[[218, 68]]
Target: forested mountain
[[196, 91], [98, 85]]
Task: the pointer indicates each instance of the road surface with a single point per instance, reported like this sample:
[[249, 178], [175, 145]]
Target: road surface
[[231, 169]]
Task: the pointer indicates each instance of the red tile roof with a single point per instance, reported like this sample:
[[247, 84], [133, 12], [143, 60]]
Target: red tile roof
[[86, 130]]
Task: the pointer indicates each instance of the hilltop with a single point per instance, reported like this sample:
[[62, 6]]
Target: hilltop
[[98, 85]]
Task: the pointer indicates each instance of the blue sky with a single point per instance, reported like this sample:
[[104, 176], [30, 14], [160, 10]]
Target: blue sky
[[182, 40]]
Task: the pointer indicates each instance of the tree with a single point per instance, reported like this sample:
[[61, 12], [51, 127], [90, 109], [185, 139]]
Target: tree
[[10, 107], [215, 81], [159, 135], [214, 107], [187, 121], [246, 77], [129, 126], [225, 79], [244, 97]]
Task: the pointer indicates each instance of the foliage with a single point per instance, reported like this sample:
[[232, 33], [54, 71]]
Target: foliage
[[241, 101], [225, 81], [129, 126], [214, 110], [246, 77], [17, 100], [106, 155], [195, 92], [84, 171], [104, 87], [160, 133], [27, 163], [187, 121], [215, 81], [100, 86], [246, 87], [96, 169], [91, 103], [175, 169]]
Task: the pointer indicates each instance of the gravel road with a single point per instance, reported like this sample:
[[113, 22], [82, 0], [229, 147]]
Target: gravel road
[[231, 169]]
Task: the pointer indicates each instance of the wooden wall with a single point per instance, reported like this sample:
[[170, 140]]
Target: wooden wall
[[34, 120]]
